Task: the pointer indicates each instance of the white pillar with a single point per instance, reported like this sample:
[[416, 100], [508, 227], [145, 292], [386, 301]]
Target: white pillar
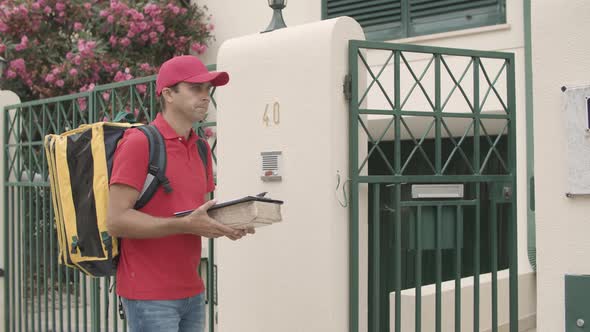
[[6, 98], [291, 276]]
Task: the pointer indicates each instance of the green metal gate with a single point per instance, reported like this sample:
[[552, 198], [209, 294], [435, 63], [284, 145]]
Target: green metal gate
[[432, 143], [40, 294]]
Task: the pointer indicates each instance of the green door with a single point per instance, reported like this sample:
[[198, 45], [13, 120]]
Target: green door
[[432, 135]]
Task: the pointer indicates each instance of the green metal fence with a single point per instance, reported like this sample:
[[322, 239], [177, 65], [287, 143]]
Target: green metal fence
[[443, 116], [40, 294]]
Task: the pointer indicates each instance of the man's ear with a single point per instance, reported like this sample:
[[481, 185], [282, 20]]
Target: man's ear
[[167, 94]]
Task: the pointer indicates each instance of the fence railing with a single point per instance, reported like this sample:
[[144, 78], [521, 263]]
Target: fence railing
[[40, 294]]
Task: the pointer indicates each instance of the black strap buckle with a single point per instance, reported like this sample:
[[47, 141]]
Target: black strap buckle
[[121, 310]]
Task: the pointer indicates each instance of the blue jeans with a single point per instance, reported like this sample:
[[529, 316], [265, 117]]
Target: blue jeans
[[185, 315]]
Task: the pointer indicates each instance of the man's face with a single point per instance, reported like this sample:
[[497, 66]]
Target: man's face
[[191, 100]]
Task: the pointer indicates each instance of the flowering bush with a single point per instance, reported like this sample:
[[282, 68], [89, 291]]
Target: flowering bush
[[58, 47]]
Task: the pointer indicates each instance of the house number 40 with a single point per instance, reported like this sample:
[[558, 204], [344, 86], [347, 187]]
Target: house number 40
[[272, 115]]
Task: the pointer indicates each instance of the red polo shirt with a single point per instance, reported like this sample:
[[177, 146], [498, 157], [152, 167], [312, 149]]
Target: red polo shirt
[[162, 268]]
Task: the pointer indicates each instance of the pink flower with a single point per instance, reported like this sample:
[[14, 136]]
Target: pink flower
[[125, 42], [145, 37], [3, 27], [77, 26], [210, 27], [87, 6], [36, 6], [2, 48], [153, 34], [145, 66], [199, 48], [59, 83], [83, 103], [113, 41], [60, 6], [103, 13], [49, 78], [141, 88], [111, 19], [73, 72], [69, 55], [175, 10], [47, 10], [106, 96], [10, 74], [115, 5], [119, 76], [161, 28], [18, 65], [196, 47], [209, 132], [23, 10], [24, 43]]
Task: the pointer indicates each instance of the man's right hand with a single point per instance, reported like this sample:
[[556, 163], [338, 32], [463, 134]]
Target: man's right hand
[[199, 223]]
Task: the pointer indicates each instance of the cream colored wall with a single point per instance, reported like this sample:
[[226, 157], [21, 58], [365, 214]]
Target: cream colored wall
[[6, 98], [239, 18], [561, 49], [526, 305], [291, 276]]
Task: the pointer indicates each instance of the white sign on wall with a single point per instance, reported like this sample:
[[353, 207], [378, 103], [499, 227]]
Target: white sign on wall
[[576, 105]]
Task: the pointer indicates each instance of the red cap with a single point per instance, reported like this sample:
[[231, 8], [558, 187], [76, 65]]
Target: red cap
[[187, 68]]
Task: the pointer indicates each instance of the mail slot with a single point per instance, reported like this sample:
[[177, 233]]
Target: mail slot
[[437, 191]]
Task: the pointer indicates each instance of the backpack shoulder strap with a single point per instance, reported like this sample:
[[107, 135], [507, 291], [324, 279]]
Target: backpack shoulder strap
[[156, 168], [202, 147], [203, 152]]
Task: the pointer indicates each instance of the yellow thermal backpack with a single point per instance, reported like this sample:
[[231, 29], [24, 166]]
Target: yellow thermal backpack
[[80, 163]]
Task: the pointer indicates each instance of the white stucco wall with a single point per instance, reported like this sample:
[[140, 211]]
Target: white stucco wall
[[291, 276], [239, 18], [560, 57]]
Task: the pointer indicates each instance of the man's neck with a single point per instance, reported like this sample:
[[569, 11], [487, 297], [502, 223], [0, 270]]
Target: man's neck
[[180, 125]]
